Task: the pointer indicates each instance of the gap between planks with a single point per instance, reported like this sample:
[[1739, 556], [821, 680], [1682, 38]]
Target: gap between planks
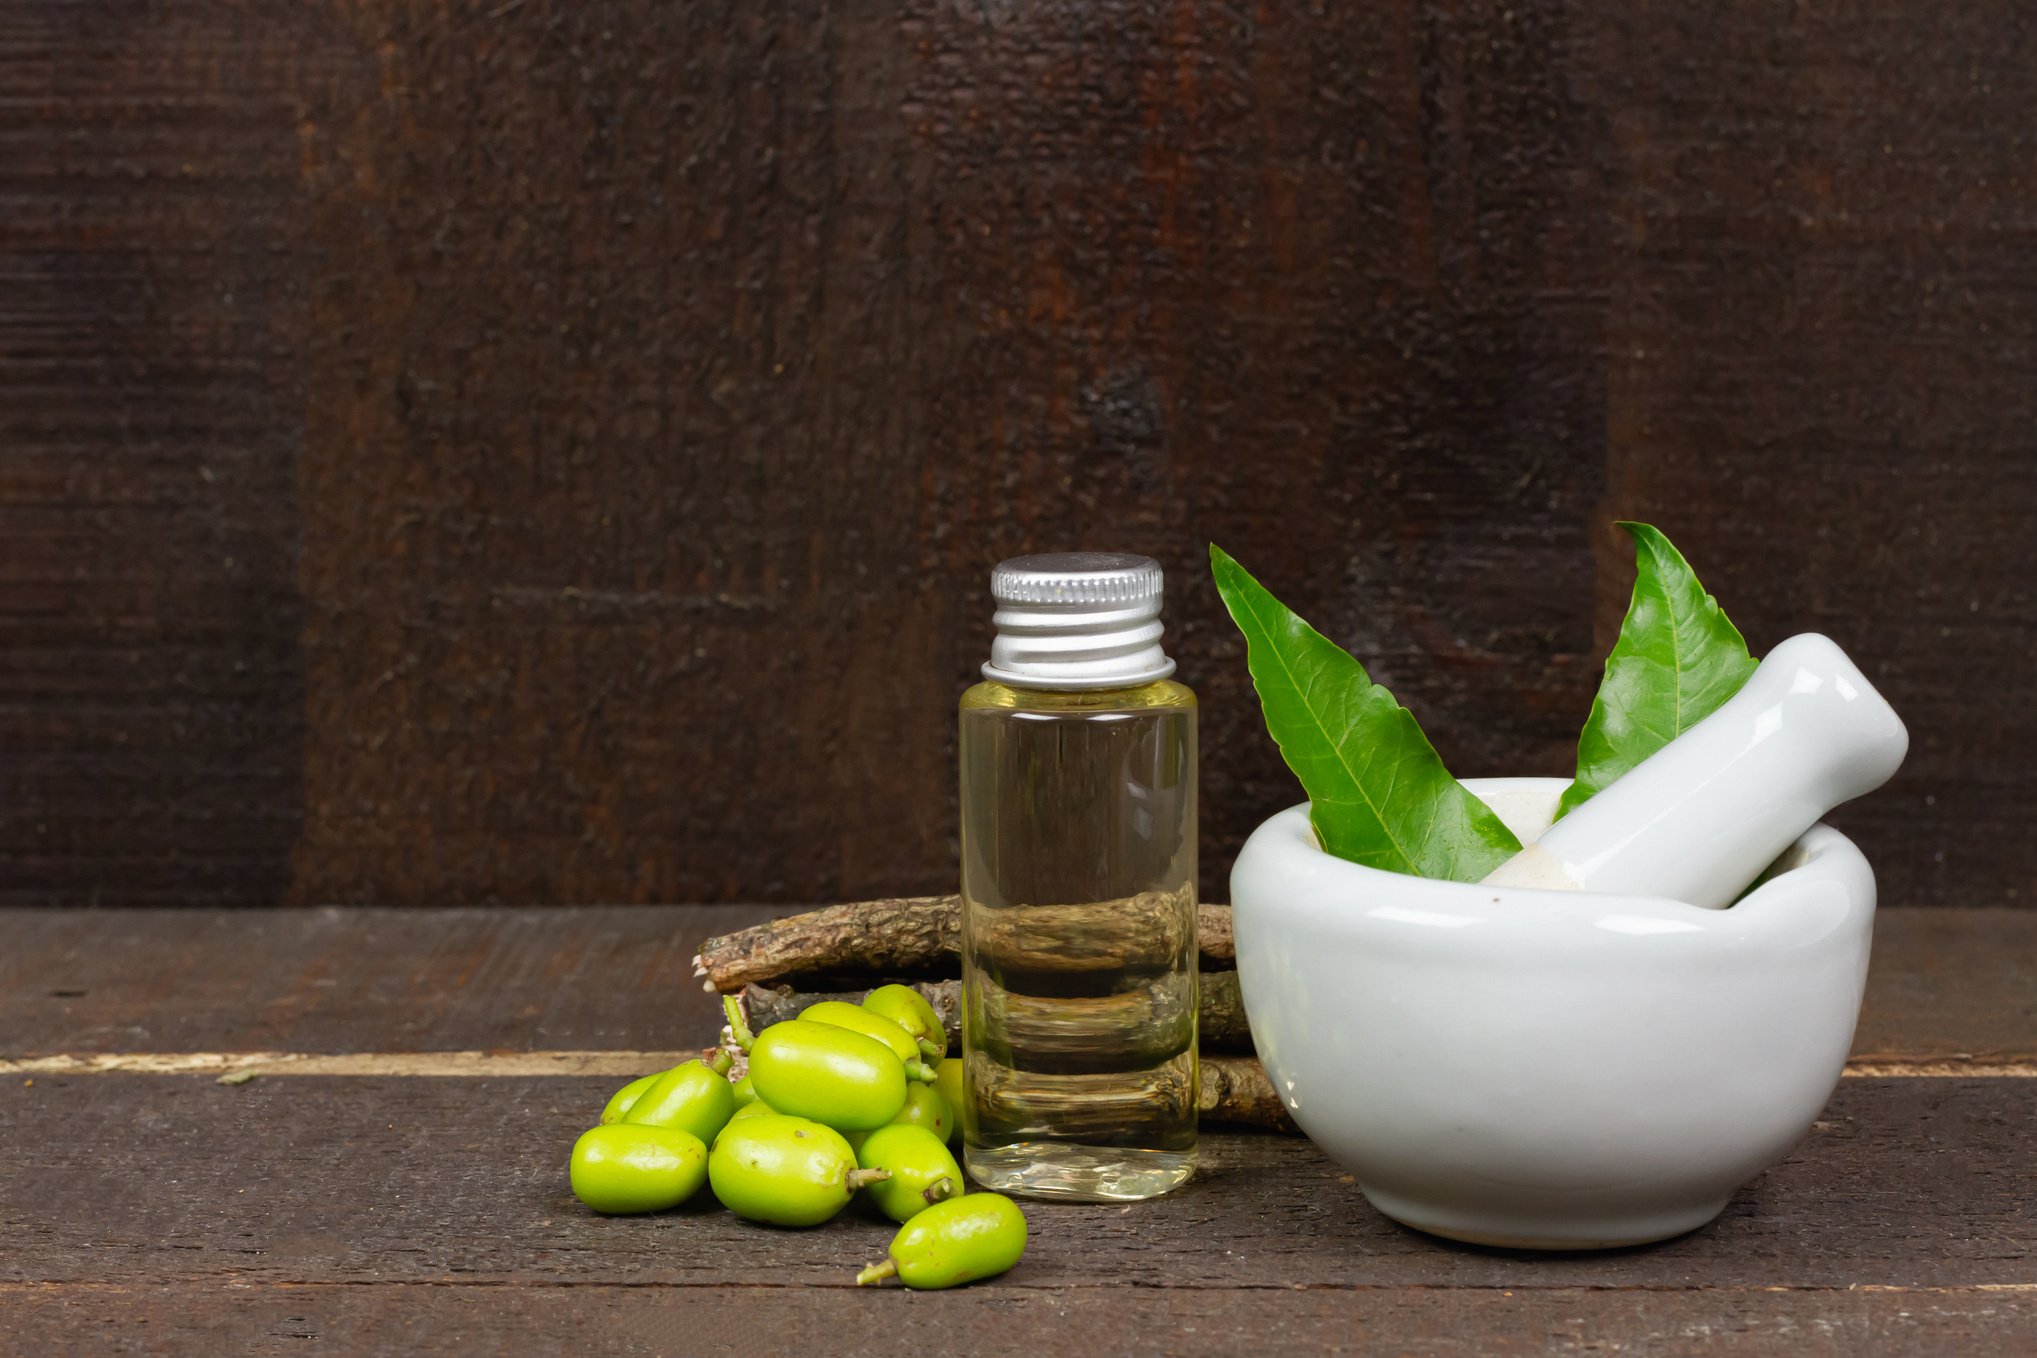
[[89, 1286], [453, 1064]]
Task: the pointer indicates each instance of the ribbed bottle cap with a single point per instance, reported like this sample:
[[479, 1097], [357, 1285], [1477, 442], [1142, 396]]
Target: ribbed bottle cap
[[1075, 620]]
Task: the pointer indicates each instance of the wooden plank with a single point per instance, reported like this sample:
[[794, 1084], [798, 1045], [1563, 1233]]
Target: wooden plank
[[379, 1214], [512, 452], [1945, 985], [131, 1179], [356, 980], [1808, 234], [621, 574], [151, 684], [645, 542], [228, 1317], [1951, 984]]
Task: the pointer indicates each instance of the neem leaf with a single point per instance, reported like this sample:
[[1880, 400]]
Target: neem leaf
[[1676, 660], [1378, 792]]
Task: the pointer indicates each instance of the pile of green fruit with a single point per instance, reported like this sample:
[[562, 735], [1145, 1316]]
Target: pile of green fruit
[[843, 1098]]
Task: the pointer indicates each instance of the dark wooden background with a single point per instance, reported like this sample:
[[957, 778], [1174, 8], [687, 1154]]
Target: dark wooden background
[[533, 451]]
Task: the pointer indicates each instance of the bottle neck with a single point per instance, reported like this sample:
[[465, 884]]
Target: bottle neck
[[1069, 648]]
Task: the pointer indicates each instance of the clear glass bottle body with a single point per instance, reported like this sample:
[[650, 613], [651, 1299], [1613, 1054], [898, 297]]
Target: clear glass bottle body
[[1078, 939]]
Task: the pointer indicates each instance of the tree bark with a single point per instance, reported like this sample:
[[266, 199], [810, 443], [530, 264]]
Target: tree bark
[[1236, 1090], [911, 937]]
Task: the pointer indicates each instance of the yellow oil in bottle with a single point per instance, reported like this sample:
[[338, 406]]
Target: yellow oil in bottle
[[1078, 939]]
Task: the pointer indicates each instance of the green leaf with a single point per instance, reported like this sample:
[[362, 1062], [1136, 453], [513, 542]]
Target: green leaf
[[1378, 793], [1676, 660]]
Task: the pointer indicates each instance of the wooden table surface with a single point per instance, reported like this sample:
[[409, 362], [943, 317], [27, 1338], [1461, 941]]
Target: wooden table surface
[[392, 1180]]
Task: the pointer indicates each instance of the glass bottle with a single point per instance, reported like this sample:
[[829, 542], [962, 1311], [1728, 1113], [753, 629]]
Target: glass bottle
[[1078, 889]]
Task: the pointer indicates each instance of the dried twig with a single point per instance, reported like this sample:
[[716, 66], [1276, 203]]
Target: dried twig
[[899, 936], [917, 936], [1237, 1090]]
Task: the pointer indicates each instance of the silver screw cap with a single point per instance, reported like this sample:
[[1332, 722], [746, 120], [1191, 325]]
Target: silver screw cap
[[1077, 620]]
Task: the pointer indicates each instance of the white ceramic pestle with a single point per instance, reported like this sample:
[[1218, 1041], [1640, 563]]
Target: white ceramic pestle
[[1700, 818]]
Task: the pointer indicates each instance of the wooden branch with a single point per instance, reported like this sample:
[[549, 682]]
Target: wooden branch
[[912, 936], [1236, 1090], [1142, 933], [1231, 1090], [1220, 1011], [897, 936]]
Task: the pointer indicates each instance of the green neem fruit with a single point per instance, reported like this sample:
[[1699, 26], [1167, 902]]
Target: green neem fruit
[[857, 1019], [746, 1093], [924, 1107], [957, 1241], [785, 1170], [948, 1084], [815, 1070], [922, 1172], [692, 1097], [755, 1108], [909, 1010], [622, 1167], [621, 1099]]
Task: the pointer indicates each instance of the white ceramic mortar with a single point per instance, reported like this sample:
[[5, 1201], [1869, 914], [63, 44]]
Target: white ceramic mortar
[[1548, 1069]]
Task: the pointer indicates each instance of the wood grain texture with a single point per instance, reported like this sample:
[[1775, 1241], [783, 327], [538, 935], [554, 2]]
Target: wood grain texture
[[151, 680], [921, 936], [1944, 986], [835, 308], [553, 453], [1951, 984], [134, 1179], [379, 1213], [356, 980], [1821, 372], [405, 1319]]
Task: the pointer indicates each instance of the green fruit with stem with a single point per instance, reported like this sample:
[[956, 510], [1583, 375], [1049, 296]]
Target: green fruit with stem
[[623, 1168], [909, 1010], [948, 1084], [694, 1097], [619, 1102], [922, 1172], [957, 1241], [784, 1170], [815, 1070]]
